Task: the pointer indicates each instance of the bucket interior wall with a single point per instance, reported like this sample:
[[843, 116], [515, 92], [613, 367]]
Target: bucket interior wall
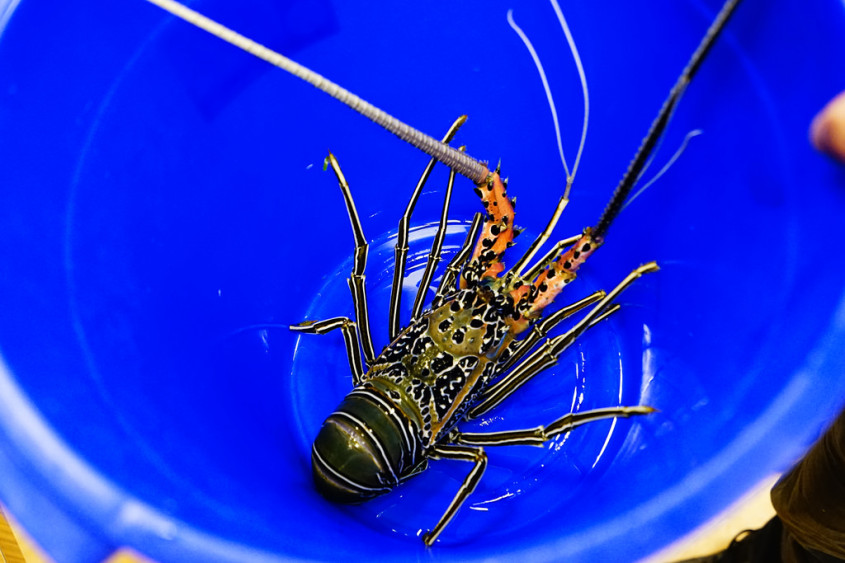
[[165, 215]]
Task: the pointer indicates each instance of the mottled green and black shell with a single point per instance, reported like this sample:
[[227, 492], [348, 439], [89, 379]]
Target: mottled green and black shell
[[417, 390]]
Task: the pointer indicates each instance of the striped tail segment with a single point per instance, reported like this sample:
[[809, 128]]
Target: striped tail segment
[[364, 449]]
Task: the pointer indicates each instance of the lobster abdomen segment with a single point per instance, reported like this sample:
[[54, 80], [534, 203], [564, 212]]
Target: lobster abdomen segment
[[364, 449]]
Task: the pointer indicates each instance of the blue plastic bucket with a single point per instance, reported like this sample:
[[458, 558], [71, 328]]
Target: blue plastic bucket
[[164, 216]]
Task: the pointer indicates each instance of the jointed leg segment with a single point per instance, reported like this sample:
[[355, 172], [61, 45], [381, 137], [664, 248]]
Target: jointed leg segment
[[449, 282], [350, 338], [401, 250], [541, 329], [436, 247], [547, 355], [357, 278], [468, 446], [461, 453], [540, 435]]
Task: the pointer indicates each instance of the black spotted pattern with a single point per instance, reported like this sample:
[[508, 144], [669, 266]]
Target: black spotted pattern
[[432, 370], [401, 347]]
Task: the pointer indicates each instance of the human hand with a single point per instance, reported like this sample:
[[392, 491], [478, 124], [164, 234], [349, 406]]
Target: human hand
[[827, 131]]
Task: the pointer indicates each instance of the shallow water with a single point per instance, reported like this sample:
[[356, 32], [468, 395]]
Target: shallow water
[[166, 218]]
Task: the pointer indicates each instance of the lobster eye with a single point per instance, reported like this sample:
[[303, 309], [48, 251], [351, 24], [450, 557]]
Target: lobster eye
[[345, 464]]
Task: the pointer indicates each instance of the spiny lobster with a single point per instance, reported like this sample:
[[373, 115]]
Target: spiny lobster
[[460, 358]]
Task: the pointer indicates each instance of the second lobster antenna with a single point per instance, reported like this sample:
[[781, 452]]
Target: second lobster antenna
[[635, 168], [570, 176], [460, 162]]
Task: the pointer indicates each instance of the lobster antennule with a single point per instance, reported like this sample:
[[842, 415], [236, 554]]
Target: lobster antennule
[[460, 162], [659, 124]]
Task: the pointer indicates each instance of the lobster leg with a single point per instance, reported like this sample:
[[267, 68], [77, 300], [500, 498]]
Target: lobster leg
[[543, 358], [436, 247], [547, 355], [538, 436], [357, 278], [461, 453], [350, 338], [449, 281], [401, 250], [541, 330]]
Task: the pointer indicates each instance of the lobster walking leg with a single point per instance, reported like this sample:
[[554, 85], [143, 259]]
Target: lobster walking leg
[[436, 247], [541, 434], [357, 278], [547, 355], [541, 359], [461, 453], [401, 251], [540, 330], [350, 338], [449, 281]]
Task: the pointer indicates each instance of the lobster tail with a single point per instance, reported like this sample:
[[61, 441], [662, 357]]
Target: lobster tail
[[364, 449], [635, 168]]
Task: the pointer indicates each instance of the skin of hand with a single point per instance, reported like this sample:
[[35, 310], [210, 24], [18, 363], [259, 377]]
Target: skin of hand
[[827, 131]]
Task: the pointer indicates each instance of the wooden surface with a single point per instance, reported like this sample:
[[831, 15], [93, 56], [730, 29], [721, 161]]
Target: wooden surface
[[750, 512]]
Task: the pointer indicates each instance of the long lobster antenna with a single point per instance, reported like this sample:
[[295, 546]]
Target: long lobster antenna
[[659, 124], [460, 162]]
